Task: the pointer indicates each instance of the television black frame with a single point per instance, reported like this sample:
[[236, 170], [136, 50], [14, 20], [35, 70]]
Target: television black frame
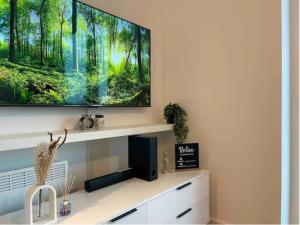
[[100, 105]]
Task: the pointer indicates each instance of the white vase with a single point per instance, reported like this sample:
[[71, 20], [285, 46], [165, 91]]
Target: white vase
[[52, 217]]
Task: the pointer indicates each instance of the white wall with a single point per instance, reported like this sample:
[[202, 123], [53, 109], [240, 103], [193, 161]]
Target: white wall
[[222, 62], [18, 120], [98, 157]]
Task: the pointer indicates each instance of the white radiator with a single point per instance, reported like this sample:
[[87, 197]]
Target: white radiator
[[14, 183]]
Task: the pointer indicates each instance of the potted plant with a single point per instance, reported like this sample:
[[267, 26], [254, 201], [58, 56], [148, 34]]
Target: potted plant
[[175, 114], [186, 155]]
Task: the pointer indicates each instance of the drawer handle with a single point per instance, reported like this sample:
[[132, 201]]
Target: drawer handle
[[184, 213], [184, 186], [123, 215]]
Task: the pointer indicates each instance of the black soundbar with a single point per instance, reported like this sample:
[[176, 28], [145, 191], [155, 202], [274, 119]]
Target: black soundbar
[[142, 158], [107, 180]]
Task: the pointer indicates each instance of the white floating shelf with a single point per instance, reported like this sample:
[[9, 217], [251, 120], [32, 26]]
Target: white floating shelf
[[29, 140]]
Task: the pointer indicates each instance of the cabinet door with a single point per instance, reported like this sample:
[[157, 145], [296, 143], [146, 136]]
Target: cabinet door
[[198, 214], [133, 216]]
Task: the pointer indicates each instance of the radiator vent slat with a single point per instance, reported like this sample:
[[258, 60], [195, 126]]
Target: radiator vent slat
[[22, 178]]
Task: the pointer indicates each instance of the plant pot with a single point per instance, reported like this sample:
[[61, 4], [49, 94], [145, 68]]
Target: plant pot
[[186, 156], [171, 120]]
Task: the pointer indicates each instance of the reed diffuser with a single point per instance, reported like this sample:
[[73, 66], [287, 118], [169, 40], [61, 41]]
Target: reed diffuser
[[65, 207]]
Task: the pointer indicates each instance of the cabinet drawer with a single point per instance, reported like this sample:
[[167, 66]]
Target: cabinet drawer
[[166, 207], [192, 193], [162, 209], [198, 214], [133, 216]]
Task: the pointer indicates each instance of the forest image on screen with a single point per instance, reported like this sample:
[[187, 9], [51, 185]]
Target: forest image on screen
[[64, 52]]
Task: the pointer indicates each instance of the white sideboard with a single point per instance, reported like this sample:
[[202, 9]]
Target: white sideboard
[[181, 197]]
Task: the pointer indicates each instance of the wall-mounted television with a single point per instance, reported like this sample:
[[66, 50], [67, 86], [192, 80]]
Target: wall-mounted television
[[67, 53]]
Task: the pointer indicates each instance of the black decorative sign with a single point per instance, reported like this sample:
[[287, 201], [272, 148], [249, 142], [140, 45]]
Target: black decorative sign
[[187, 156]]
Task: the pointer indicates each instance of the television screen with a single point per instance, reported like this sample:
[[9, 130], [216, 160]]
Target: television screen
[[66, 53]]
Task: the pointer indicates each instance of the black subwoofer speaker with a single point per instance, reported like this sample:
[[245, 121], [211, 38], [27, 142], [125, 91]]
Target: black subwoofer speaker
[[142, 157]]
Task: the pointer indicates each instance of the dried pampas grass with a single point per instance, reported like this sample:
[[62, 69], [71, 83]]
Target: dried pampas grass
[[45, 154]]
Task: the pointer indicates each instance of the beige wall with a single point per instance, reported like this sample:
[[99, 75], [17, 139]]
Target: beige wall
[[222, 62], [294, 207]]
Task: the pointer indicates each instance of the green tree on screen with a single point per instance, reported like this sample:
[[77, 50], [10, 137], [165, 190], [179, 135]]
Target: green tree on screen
[[66, 52]]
